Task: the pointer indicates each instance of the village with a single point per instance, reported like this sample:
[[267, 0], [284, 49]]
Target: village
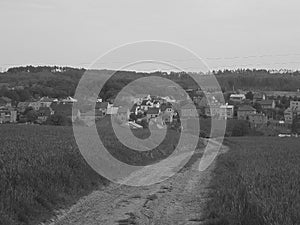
[[266, 111]]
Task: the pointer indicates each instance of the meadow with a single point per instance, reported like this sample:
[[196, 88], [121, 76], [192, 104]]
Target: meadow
[[257, 182]]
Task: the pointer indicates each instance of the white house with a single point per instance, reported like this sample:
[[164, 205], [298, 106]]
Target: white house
[[146, 104], [237, 97], [226, 111], [69, 100]]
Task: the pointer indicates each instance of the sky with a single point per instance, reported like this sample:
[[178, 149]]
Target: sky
[[226, 34]]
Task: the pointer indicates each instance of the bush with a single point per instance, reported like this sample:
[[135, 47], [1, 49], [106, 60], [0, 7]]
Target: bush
[[144, 124]]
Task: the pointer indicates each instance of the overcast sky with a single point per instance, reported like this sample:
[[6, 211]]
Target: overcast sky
[[226, 33]]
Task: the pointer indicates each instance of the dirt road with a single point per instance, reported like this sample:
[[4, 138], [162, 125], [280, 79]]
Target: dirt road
[[179, 200]]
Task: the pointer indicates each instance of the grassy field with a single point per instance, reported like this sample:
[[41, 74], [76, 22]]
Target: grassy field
[[257, 182], [41, 169]]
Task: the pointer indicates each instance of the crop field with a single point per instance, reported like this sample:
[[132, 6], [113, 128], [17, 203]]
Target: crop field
[[257, 182], [41, 170]]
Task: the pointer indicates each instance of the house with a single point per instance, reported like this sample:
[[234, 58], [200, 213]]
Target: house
[[112, 110], [268, 107], [69, 100], [5, 102], [259, 96], [43, 114], [22, 106], [267, 104], [203, 102], [197, 99], [153, 113], [146, 104], [226, 111], [168, 107], [123, 114], [245, 111], [295, 105], [167, 117], [211, 106], [102, 107], [46, 102], [156, 104], [135, 109], [212, 110], [290, 114], [258, 119], [35, 105], [237, 98], [209, 99], [8, 116]]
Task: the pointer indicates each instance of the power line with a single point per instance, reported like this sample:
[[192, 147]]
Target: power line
[[3, 66], [205, 58]]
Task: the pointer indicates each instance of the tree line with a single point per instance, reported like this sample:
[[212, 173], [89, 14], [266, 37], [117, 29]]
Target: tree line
[[30, 82]]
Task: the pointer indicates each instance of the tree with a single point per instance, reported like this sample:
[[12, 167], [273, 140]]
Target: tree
[[133, 117], [24, 95], [31, 116], [27, 110], [296, 123], [13, 95], [249, 95], [258, 107], [144, 124]]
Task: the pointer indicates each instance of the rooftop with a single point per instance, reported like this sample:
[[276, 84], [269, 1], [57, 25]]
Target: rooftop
[[246, 108], [266, 102], [153, 111]]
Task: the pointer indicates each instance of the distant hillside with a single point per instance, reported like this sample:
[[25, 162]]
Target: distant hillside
[[259, 80], [23, 83]]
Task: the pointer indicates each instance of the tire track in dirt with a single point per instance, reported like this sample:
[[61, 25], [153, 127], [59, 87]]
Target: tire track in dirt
[[180, 199]]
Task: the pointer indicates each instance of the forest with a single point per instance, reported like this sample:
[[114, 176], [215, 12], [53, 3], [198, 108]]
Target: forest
[[25, 83]]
